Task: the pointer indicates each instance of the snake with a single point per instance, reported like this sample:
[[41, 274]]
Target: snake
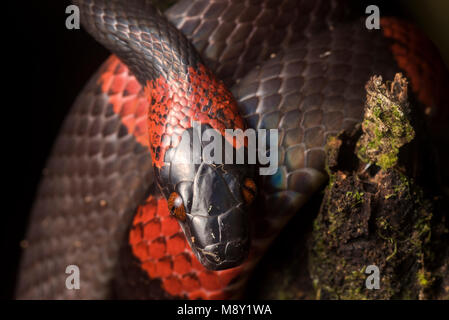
[[139, 225]]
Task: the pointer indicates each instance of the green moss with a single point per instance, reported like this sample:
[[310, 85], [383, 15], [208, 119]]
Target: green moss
[[387, 160], [377, 110], [354, 285], [391, 230], [395, 251], [396, 237], [386, 126], [356, 197], [424, 278]]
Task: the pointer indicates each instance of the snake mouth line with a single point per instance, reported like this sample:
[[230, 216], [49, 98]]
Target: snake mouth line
[[224, 255]]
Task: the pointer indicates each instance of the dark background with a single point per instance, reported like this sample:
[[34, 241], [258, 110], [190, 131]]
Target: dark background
[[47, 65]]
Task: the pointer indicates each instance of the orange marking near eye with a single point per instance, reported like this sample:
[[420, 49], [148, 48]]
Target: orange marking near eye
[[176, 206], [248, 195], [249, 190]]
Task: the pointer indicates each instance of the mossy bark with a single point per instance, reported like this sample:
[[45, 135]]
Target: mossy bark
[[388, 213], [386, 126], [374, 214]]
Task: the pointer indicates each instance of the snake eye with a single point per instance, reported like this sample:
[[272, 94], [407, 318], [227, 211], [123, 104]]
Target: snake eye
[[176, 206], [249, 190]]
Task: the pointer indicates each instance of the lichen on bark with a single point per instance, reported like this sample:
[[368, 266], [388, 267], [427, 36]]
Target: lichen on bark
[[385, 126]]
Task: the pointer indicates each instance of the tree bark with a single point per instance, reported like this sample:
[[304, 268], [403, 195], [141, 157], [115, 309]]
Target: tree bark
[[381, 211]]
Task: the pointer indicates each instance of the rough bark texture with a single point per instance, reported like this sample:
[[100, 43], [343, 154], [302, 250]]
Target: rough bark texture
[[378, 216], [381, 207]]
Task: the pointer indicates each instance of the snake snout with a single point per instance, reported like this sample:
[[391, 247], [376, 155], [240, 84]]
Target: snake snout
[[225, 255], [221, 241]]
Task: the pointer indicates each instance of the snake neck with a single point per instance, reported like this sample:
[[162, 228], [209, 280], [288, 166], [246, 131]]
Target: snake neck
[[141, 37], [179, 88], [177, 106]]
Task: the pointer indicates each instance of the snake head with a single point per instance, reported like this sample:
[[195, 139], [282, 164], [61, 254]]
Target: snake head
[[212, 203]]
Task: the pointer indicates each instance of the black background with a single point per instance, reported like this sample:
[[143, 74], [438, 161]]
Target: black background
[[46, 65]]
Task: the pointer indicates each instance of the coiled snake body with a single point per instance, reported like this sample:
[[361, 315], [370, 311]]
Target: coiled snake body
[[296, 66]]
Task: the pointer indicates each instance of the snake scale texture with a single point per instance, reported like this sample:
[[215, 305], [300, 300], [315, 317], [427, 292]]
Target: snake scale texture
[[296, 66]]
